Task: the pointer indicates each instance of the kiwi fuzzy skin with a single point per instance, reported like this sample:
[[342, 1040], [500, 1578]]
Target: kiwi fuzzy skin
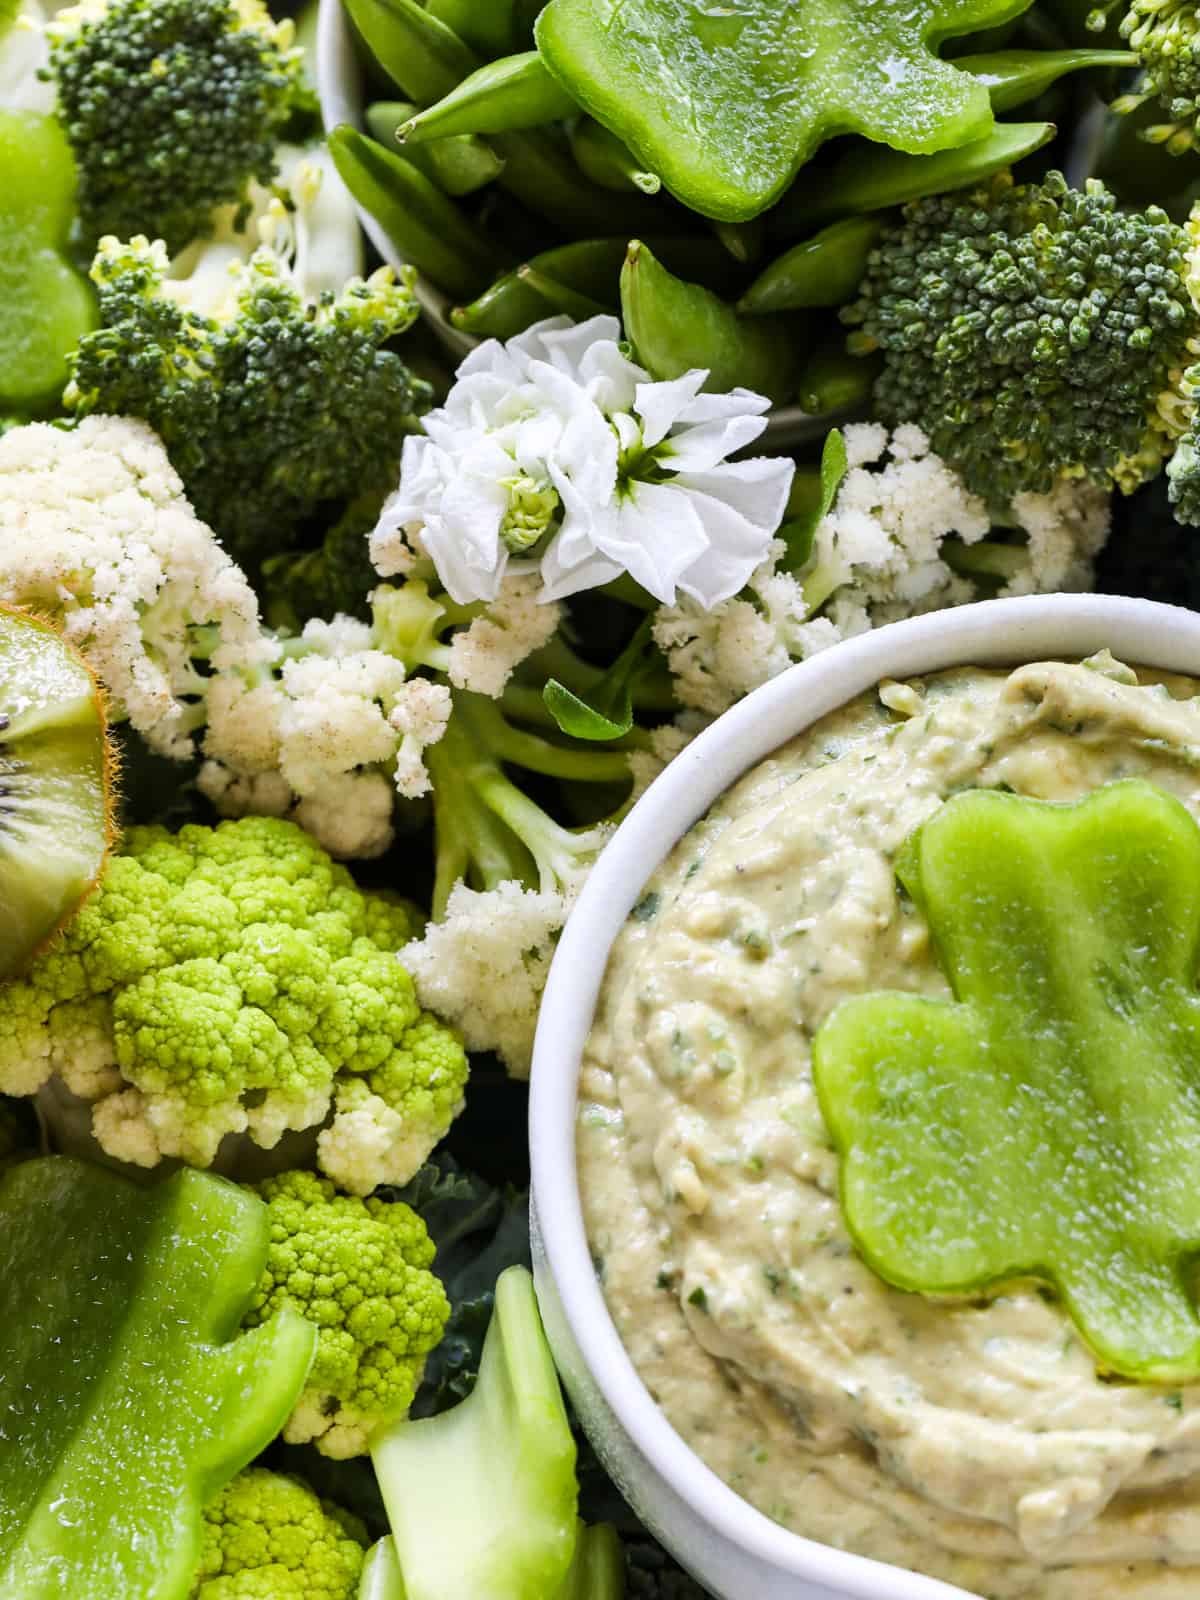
[[109, 780]]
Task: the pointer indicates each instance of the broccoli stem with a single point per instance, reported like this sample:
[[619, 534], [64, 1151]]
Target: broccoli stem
[[488, 830], [987, 559]]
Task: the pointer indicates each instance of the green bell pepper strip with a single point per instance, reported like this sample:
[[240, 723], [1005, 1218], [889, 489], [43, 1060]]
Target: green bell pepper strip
[[675, 326], [868, 179], [46, 306], [605, 160], [1014, 77], [825, 270], [128, 1398], [1044, 1122], [727, 103], [516, 92], [493, 28], [426, 228], [457, 166]]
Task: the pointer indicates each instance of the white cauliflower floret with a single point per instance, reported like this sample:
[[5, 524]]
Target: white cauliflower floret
[[483, 966], [880, 554], [420, 715], [95, 530], [334, 715], [482, 657]]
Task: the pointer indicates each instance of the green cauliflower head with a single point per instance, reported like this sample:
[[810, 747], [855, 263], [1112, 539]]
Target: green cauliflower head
[[268, 1537], [234, 980], [359, 1271]]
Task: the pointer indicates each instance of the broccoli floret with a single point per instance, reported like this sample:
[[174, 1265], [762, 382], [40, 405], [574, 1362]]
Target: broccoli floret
[[268, 1537], [233, 980], [1034, 332], [1165, 34], [335, 578], [359, 1271], [273, 393], [172, 107]]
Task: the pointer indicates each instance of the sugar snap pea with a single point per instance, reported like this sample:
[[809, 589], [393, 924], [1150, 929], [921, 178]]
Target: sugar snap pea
[[419, 53], [608, 161], [492, 28], [539, 171], [869, 177], [833, 381], [458, 166], [591, 267], [515, 92], [560, 296], [426, 228], [675, 326], [1016, 76], [825, 270]]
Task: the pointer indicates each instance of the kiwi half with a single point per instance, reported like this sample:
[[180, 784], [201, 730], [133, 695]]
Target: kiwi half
[[56, 789]]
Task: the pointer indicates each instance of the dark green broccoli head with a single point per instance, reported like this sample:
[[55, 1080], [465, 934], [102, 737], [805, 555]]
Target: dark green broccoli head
[[335, 577], [1033, 331], [269, 403], [172, 107]]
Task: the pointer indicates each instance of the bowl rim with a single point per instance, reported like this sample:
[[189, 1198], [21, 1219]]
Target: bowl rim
[[992, 632]]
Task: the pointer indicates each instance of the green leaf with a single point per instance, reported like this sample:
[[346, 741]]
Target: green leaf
[[812, 499], [609, 714], [727, 102], [126, 1398], [1045, 1122]]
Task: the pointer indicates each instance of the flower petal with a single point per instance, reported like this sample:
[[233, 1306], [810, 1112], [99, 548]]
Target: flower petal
[[660, 405], [706, 445]]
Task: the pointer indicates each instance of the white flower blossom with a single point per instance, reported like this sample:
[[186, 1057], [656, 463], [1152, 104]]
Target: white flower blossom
[[557, 454]]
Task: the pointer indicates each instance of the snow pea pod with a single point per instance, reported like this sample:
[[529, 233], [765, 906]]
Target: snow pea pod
[[833, 381], [516, 92], [607, 161], [421, 55], [492, 29], [560, 296], [825, 270], [426, 228], [1016, 76], [867, 178], [676, 326], [458, 165]]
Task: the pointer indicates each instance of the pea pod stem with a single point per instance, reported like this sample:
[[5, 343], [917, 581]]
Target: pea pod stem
[[513, 93], [607, 160], [458, 165], [425, 227]]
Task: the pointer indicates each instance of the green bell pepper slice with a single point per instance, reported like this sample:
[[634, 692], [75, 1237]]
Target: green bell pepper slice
[[127, 1398], [1045, 1123], [46, 305], [726, 103]]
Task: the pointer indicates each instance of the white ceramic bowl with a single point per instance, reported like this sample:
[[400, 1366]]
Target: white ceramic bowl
[[733, 1549]]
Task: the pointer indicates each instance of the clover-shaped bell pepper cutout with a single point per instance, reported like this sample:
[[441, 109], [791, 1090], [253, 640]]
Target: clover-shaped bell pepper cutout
[[726, 102], [1046, 1122], [46, 304]]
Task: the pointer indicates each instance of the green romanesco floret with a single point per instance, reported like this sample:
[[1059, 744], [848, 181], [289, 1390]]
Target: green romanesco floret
[[359, 1271], [1034, 332], [268, 1537], [273, 396], [233, 980], [172, 107]]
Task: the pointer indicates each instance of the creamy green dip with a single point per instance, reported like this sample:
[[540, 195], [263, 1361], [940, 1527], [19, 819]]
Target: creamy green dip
[[970, 1440]]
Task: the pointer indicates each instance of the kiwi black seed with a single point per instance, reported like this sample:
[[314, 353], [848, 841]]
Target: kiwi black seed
[[56, 796]]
